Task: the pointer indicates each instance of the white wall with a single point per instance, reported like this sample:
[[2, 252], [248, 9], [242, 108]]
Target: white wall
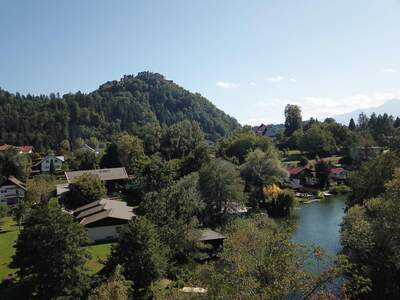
[[10, 191], [103, 232], [45, 165]]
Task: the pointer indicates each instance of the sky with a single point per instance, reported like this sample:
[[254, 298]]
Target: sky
[[250, 58]]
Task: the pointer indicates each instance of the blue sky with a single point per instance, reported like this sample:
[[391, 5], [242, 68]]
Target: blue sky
[[249, 58]]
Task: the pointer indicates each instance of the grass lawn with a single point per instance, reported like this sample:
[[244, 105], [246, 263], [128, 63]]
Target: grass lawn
[[8, 235], [99, 255]]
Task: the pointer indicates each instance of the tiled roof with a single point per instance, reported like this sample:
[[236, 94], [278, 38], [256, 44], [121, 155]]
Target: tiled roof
[[22, 149], [337, 170], [103, 209], [296, 170], [103, 174]]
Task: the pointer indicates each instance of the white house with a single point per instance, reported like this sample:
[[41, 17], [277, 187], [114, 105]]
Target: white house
[[12, 191], [103, 218], [44, 165]]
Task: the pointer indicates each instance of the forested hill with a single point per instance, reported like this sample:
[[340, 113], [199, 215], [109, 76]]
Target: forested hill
[[133, 101]]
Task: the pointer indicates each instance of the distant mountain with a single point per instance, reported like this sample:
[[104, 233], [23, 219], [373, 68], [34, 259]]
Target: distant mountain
[[147, 99], [391, 107]]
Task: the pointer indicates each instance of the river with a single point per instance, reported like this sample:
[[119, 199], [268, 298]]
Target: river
[[318, 224]]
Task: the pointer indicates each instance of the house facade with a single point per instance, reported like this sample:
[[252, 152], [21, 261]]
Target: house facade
[[103, 219], [12, 191], [338, 174], [301, 176], [44, 166]]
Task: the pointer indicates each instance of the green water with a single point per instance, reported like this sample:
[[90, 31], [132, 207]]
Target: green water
[[318, 224]]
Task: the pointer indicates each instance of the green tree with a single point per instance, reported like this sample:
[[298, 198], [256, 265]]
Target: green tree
[[130, 152], [322, 173], [396, 123], [175, 211], [281, 205], [259, 170], [303, 161], [181, 139], [156, 175], [49, 254], [52, 168], [4, 210], [293, 119], [352, 124], [262, 263], [14, 164], [236, 147], [369, 180], [39, 189], [85, 189], [220, 187], [116, 287], [140, 252], [371, 238], [83, 160], [318, 140], [19, 211]]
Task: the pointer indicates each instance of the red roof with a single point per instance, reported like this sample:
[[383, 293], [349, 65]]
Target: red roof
[[5, 147], [22, 149], [337, 170], [25, 149], [296, 170]]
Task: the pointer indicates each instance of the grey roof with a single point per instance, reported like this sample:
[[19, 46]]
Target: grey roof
[[15, 181], [103, 209], [60, 158], [104, 205], [62, 188], [103, 174], [208, 235], [114, 213], [100, 202]]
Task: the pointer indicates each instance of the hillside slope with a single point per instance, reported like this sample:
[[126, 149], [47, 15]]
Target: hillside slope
[[115, 106]]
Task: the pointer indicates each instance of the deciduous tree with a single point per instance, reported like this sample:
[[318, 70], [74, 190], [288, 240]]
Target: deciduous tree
[[49, 254]]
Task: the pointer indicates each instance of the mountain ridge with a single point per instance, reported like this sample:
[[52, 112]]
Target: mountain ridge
[[391, 107], [147, 99]]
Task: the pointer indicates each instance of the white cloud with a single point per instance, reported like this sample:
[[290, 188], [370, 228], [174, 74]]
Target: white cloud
[[272, 103], [293, 80], [269, 111], [329, 106], [252, 83], [227, 85], [389, 70], [275, 79]]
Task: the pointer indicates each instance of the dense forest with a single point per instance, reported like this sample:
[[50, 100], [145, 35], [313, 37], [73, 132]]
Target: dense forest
[[116, 106]]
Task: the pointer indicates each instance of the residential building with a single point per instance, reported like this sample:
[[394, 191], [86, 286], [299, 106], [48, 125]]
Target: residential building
[[44, 165], [272, 131], [301, 176], [114, 178], [25, 149], [338, 174], [12, 191], [103, 218]]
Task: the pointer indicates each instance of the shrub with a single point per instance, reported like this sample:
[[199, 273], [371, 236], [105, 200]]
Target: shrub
[[340, 189]]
